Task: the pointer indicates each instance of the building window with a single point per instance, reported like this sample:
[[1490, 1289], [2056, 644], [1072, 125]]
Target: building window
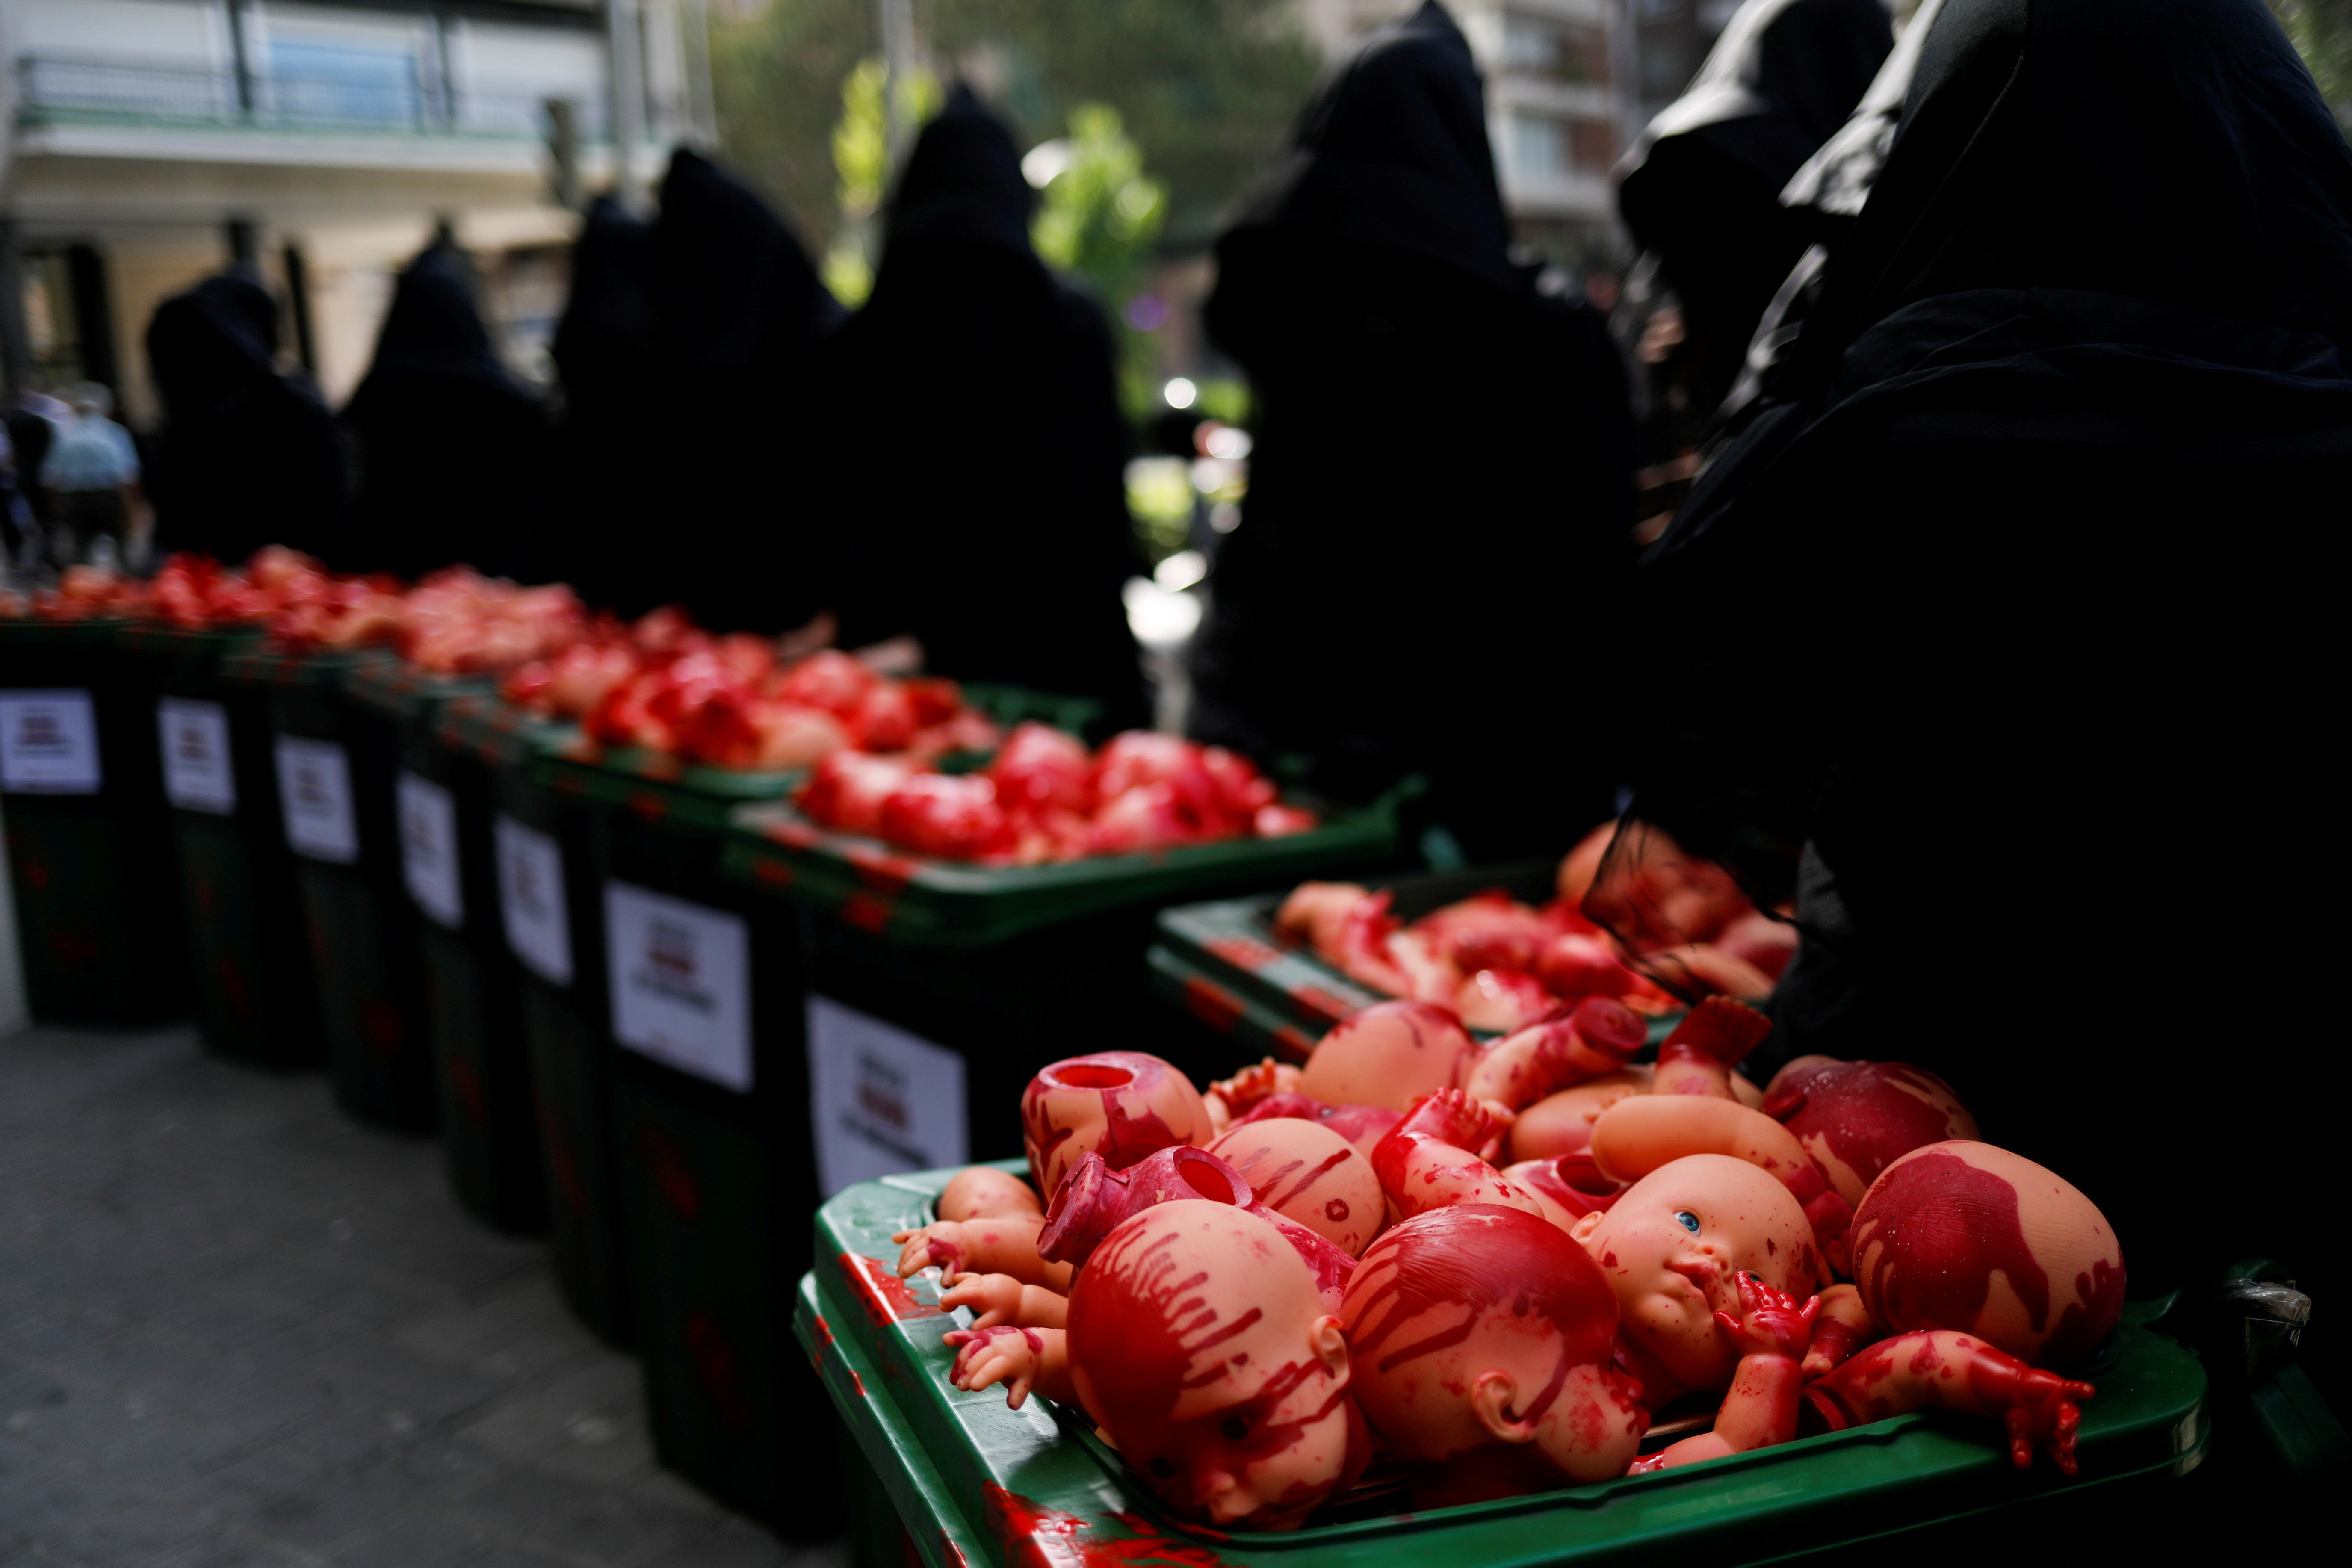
[[318, 82], [1538, 150]]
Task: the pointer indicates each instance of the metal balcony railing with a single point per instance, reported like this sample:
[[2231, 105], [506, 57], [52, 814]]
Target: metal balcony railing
[[68, 90]]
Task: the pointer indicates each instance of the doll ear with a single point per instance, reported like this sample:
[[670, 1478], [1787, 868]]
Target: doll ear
[[1581, 1231], [1329, 1342], [1491, 1398]]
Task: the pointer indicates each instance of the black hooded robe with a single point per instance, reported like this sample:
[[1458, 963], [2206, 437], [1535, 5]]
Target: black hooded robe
[[2006, 608], [246, 456], [988, 448], [1429, 562], [1701, 189], [453, 450]]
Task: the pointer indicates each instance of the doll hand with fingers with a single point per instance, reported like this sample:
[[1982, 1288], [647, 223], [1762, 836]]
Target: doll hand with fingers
[[1770, 1321], [1000, 1298], [1024, 1359]]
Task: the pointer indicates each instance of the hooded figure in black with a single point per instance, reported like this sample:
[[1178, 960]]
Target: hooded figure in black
[[740, 478], [1993, 637], [246, 457], [453, 450], [600, 494], [1430, 559], [989, 446], [1701, 189]]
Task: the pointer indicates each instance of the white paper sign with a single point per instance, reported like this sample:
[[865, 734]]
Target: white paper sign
[[197, 772], [48, 743], [881, 1101], [681, 978], [428, 848], [314, 789], [531, 898]]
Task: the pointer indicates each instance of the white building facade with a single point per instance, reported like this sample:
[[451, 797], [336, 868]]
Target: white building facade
[[144, 144]]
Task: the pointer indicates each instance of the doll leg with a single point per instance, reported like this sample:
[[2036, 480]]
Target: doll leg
[[1940, 1369], [1426, 1164]]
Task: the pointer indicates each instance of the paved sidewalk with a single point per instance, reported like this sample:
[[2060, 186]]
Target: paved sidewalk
[[238, 1331]]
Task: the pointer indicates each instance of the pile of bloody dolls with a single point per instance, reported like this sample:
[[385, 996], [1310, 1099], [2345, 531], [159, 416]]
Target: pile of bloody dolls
[[1487, 1270], [1502, 963]]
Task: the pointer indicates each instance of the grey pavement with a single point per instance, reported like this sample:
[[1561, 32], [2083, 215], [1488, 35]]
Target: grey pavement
[[238, 1331]]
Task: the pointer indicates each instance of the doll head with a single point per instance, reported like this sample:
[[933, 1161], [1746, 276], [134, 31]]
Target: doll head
[[1390, 1054], [1857, 1118], [1671, 1243], [1481, 1338], [1969, 1237], [984, 1193], [1122, 1105], [1199, 1344], [1307, 1172]]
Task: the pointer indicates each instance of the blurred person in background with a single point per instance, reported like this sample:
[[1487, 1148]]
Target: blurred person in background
[[742, 482], [982, 403], [246, 457], [32, 417], [601, 504], [1700, 191], [1427, 568], [91, 473], [1999, 637], [452, 449]]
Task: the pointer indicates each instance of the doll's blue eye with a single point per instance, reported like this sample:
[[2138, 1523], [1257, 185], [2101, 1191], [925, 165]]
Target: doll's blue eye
[[1687, 1220]]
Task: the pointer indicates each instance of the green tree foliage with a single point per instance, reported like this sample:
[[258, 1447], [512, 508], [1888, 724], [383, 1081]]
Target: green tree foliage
[[1101, 214], [2322, 31], [861, 156], [777, 73]]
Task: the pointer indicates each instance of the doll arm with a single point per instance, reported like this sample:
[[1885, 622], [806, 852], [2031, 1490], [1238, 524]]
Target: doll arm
[[1636, 1136], [1425, 1162], [1229, 1099], [1845, 1328], [1543, 1058], [1763, 1404], [1007, 1245], [1941, 1368], [1024, 1359], [1712, 1040], [1001, 1299]]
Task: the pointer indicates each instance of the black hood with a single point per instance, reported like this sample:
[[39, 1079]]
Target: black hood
[[963, 181], [433, 328], [213, 344], [732, 285], [1780, 81], [1392, 152]]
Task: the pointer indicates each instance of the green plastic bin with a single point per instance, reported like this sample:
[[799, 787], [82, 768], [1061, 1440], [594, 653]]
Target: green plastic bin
[[249, 958], [703, 1009], [1222, 964], [90, 840], [975, 1483]]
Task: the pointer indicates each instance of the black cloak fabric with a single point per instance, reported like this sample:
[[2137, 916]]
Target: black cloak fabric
[[740, 480], [2008, 611], [246, 456], [602, 498], [981, 396], [453, 450], [1701, 188], [1434, 540]]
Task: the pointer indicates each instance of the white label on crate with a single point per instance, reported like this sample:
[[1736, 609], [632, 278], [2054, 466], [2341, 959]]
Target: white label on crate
[[48, 743], [314, 787], [881, 1101], [428, 849], [197, 773], [531, 898], [681, 983]]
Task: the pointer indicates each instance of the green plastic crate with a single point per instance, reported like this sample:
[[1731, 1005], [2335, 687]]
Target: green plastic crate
[[975, 1483], [90, 852]]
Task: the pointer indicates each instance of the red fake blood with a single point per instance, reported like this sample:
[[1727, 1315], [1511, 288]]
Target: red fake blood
[[1242, 952], [2086, 1321], [1439, 1275], [1935, 1228], [1212, 1003], [722, 1370], [885, 1296], [670, 1174], [1870, 1114], [1123, 1082]]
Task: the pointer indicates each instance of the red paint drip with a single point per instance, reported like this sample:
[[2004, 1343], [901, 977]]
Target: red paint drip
[[1212, 1003], [884, 1294], [1945, 1227]]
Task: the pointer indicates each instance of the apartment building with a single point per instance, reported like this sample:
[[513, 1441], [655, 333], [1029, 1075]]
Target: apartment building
[[146, 143], [1569, 84]]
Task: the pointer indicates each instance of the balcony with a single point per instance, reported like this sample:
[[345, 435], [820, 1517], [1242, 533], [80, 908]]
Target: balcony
[[392, 98]]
